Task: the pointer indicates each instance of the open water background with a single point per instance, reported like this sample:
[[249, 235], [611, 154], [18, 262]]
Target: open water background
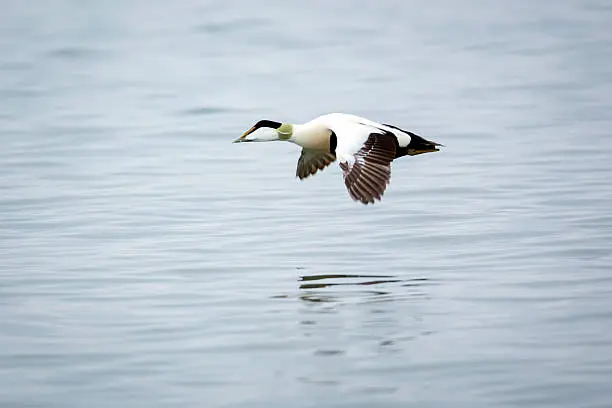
[[145, 261]]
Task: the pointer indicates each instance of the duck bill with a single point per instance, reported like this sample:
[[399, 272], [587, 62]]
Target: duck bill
[[244, 135]]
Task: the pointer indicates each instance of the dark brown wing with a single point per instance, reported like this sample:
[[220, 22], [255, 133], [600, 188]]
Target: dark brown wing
[[367, 177], [311, 161]]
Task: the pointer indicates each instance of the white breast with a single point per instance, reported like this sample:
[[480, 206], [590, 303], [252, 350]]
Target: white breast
[[312, 135]]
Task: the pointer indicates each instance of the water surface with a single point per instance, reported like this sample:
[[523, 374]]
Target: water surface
[[145, 261]]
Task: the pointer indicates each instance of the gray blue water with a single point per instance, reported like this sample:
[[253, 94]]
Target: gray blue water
[[145, 261]]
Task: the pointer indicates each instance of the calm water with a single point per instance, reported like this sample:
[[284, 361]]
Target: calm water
[[145, 261]]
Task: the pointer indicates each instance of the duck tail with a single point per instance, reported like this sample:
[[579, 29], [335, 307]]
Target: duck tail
[[420, 145], [417, 145]]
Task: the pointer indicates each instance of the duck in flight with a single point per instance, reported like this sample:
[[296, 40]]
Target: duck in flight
[[364, 149]]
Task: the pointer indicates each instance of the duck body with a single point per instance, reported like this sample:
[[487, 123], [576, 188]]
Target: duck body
[[363, 148]]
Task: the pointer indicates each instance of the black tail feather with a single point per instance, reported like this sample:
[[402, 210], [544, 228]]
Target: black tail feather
[[417, 145]]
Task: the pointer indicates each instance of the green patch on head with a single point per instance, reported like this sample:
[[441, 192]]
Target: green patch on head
[[285, 131]]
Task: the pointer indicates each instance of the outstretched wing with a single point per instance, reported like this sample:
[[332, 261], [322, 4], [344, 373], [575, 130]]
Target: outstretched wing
[[367, 175], [311, 161]]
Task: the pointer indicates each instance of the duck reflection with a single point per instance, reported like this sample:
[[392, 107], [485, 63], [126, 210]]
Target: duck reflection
[[343, 313], [377, 279], [310, 283]]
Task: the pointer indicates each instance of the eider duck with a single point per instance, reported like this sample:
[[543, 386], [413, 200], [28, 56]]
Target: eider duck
[[364, 149]]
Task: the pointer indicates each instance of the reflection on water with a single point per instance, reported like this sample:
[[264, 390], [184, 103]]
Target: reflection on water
[[378, 280], [345, 315], [350, 286]]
